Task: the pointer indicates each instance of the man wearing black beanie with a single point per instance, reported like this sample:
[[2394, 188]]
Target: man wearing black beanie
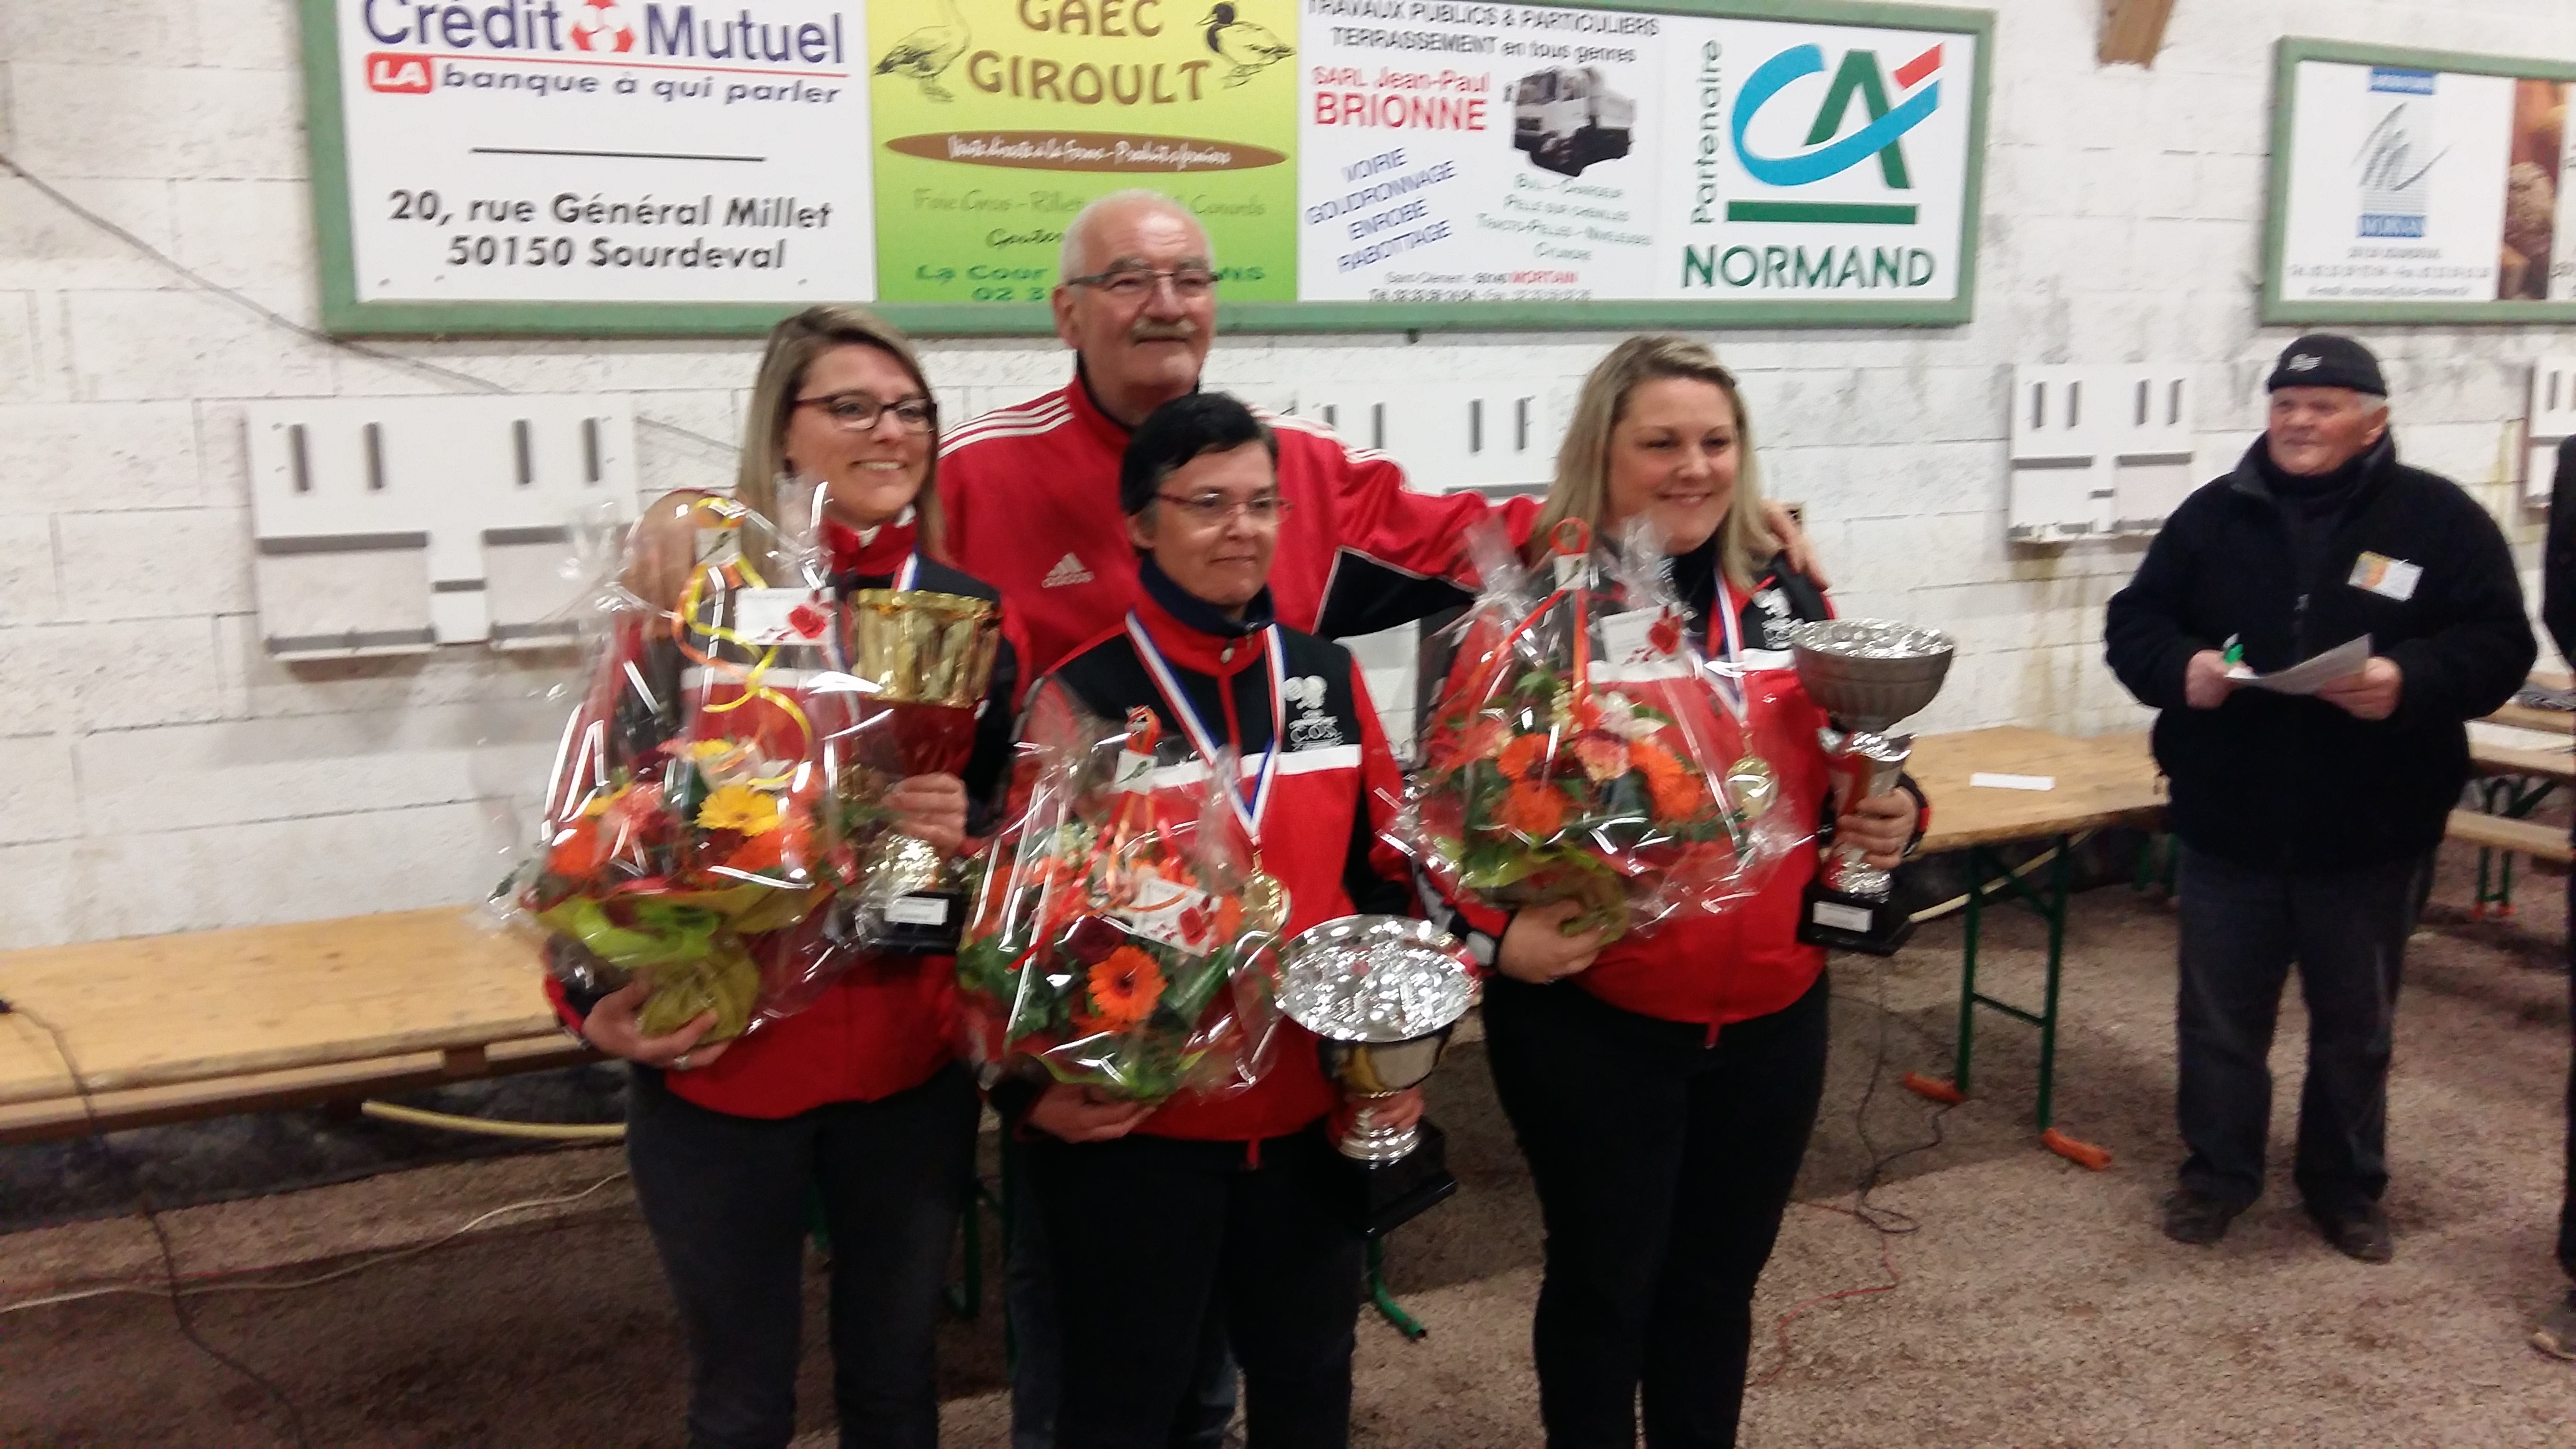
[[2307, 822]]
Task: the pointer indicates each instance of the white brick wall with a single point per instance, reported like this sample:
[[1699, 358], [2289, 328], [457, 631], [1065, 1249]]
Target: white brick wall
[[159, 772]]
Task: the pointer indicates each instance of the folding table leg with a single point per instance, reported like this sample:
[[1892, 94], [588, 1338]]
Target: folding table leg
[[2060, 891], [1955, 1090]]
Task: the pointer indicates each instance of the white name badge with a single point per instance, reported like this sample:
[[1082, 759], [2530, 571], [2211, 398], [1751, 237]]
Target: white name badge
[[2390, 578]]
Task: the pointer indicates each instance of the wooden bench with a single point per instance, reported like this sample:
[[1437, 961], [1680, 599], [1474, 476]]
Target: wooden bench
[[207, 1023], [2505, 836], [2502, 832]]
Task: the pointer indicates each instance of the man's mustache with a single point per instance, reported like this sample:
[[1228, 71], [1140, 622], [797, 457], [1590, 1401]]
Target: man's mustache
[[1182, 331]]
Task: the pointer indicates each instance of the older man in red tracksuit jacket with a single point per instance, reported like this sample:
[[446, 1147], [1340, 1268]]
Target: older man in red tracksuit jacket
[[1032, 491]]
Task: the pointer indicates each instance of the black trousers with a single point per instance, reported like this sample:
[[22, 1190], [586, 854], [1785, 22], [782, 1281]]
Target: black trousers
[[2240, 928], [1159, 1247], [730, 1201], [1663, 1164]]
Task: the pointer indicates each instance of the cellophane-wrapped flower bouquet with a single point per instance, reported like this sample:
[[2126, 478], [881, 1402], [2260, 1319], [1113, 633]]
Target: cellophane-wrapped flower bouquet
[[1109, 947]]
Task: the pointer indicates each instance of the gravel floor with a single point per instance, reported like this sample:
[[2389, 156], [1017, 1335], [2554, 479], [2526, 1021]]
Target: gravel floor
[[2036, 1304]]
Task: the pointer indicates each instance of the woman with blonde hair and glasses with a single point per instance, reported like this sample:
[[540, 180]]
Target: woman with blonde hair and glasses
[[1662, 1087], [856, 1101]]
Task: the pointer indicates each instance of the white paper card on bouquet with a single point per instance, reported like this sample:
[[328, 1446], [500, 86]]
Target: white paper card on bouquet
[[1629, 650], [779, 616], [1172, 914]]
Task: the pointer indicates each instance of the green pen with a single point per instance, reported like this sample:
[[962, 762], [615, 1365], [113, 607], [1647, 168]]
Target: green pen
[[2233, 652]]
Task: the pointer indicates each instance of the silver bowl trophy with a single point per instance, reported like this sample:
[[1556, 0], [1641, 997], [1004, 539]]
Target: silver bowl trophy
[[1866, 674], [1381, 994]]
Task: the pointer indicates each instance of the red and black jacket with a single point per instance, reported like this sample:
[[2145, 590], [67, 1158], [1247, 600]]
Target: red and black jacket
[[886, 1025], [1320, 832]]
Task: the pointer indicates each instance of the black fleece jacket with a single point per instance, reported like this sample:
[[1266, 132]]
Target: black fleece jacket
[[2291, 783]]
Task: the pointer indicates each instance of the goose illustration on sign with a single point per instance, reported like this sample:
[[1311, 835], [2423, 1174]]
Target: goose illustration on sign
[[1248, 47], [927, 53]]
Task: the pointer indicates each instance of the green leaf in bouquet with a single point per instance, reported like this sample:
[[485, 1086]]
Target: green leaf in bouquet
[[726, 982]]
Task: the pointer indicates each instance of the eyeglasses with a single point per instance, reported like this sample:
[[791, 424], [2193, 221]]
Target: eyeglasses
[[1212, 510], [858, 412], [1132, 284]]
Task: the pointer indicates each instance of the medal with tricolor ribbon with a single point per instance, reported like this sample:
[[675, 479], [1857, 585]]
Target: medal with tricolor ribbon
[[1265, 899]]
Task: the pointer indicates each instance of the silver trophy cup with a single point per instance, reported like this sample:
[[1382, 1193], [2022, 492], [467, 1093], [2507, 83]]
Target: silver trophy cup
[[1381, 994], [1867, 674]]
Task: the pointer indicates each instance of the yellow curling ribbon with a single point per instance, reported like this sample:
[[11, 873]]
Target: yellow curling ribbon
[[686, 614]]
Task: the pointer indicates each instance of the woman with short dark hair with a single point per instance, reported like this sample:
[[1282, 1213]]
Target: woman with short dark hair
[[1172, 1224]]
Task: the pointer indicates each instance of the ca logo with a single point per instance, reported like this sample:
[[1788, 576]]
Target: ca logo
[[1856, 79]]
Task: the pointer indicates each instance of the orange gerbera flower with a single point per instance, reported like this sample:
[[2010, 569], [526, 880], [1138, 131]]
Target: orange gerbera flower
[[577, 850], [1124, 987], [1677, 794], [1524, 756], [1534, 809]]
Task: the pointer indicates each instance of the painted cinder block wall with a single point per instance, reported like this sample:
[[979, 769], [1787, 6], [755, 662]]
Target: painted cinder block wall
[[159, 773]]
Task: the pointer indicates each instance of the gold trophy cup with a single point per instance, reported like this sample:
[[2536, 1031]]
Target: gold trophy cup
[[922, 661]]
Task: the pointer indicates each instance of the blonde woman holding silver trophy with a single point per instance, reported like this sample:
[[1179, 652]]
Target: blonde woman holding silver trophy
[[1663, 1086], [856, 1101]]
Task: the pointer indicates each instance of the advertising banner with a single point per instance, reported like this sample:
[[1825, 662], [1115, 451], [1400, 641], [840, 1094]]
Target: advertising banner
[[637, 166], [2411, 186]]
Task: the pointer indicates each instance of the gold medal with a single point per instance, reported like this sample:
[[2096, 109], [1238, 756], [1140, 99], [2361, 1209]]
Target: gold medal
[[1265, 901], [1751, 785]]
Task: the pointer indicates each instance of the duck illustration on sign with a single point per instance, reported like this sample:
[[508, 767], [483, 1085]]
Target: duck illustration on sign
[[928, 52], [1248, 47]]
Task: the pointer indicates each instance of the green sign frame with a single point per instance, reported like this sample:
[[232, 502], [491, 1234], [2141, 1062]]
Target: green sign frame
[[2275, 311], [344, 315]]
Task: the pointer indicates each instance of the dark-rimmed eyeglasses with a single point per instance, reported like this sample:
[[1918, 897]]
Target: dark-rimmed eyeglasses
[[857, 411], [1211, 510], [1133, 284]]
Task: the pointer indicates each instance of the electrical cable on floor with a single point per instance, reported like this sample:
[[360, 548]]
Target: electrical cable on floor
[[495, 1126], [275, 318], [1888, 1223], [200, 1284], [296, 1429]]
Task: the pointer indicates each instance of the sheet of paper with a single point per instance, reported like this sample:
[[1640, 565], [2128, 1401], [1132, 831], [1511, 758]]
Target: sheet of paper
[[2307, 676], [1987, 780]]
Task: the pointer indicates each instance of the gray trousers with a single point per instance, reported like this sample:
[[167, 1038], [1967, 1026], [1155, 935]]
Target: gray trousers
[[2241, 929]]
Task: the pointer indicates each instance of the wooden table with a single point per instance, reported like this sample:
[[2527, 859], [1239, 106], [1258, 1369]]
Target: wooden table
[[2518, 768], [2523, 716], [209, 1022], [2111, 780]]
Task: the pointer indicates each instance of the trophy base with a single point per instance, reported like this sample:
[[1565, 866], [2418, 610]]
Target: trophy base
[[1386, 1195], [920, 923], [1874, 926]]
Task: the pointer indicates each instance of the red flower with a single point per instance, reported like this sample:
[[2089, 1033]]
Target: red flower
[[1665, 636], [1535, 810], [1525, 756]]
